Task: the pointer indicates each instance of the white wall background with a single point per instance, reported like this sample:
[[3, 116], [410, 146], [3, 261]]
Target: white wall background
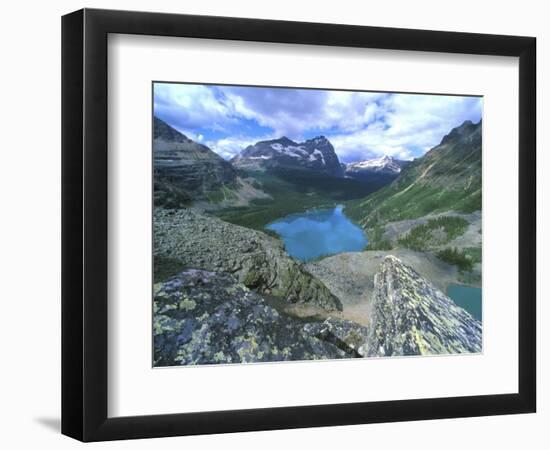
[[30, 226]]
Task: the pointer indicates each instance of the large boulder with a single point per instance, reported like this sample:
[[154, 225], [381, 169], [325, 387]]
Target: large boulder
[[257, 260], [203, 317], [412, 317]]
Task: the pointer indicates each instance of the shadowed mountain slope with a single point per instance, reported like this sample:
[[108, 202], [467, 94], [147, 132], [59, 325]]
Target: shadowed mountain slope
[[185, 170]]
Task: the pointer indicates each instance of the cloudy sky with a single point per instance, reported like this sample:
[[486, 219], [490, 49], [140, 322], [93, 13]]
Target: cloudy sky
[[360, 125]]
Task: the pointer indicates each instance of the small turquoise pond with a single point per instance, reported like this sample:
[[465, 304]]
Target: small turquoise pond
[[318, 233], [466, 297]]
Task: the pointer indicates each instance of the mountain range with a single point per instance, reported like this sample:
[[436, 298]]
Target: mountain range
[[176, 154], [187, 172], [448, 177]]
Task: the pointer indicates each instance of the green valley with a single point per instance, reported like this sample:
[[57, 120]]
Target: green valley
[[290, 191]]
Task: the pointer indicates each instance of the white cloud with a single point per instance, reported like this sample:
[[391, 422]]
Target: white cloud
[[291, 112], [231, 146], [410, 126], [352, 111], [288, 112], [361, 125], [190, 106]]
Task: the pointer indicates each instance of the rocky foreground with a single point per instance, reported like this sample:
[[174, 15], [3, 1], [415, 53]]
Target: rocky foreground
[[208, 317], [255, 259], [203, 317], [412, 317]]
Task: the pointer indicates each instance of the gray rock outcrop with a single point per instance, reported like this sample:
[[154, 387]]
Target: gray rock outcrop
[[257, 260], [206, 317], [203, 317], [412, 317]]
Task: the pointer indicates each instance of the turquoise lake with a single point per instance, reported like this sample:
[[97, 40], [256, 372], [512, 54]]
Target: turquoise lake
[[466, 297], [320, 232]]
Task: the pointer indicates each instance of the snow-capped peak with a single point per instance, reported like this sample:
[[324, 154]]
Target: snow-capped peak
[[294, 151], [385, 163], [316, 154]]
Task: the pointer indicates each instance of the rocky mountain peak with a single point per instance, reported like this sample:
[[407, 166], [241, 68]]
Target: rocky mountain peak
[[385, 166], [461, 132], [285, 140], [319, 140], [314, 154], [163, 131]]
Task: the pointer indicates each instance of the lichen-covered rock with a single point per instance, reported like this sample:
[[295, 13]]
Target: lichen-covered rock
[[412, 317], [254, 258], [344, 334], [202, 317]]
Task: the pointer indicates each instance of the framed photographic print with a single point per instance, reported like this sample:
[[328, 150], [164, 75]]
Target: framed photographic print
[[273, 224]]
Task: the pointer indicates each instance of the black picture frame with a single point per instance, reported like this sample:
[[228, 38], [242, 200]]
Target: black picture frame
[[84, 224]]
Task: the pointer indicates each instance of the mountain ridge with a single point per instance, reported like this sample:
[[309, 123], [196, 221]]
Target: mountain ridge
[[185, 170], [446, 178], [188, 173]]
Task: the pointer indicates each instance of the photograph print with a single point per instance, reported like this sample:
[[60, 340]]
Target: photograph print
[[295, 224]]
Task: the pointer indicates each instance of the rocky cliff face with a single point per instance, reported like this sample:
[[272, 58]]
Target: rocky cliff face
[[185, 170], [257, 260], [202, 317], [412, 317], [315, 154]]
